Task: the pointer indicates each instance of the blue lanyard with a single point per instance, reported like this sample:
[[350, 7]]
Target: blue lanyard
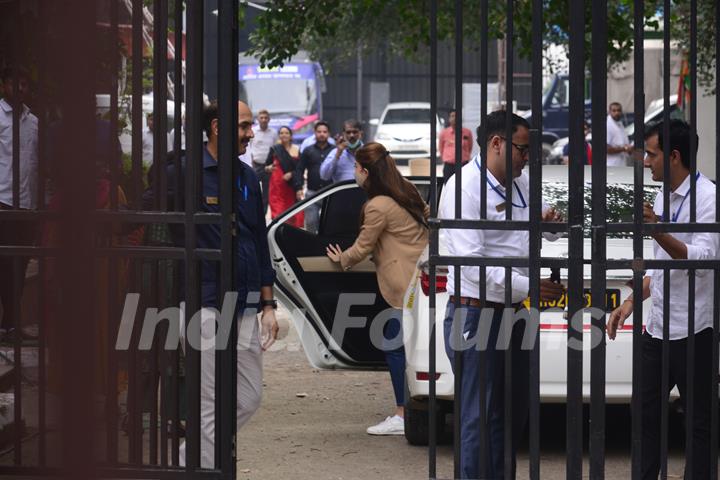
[[675, 217], [501, 194]]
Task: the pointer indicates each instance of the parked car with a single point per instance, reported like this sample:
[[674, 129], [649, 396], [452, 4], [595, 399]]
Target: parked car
[[335, 335], [404, 129], [556, 112], [654, 114]]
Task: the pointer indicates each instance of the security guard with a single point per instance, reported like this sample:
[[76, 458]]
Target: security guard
[[253, 273]]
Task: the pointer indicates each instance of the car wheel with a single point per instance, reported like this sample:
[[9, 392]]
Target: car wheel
[[417, 423], [546, 150]]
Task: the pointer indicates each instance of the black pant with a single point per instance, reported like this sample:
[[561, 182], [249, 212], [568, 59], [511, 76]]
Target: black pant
[[264, 181], [12, 281], [652, 398]]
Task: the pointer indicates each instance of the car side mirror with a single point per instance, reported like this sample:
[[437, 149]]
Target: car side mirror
[[374, 122]]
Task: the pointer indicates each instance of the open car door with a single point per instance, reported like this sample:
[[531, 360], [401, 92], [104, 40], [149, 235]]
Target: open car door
[[335, 333], [332, 309]]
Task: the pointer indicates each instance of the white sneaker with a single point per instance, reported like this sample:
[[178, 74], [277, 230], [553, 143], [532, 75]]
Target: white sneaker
[[390, 426]]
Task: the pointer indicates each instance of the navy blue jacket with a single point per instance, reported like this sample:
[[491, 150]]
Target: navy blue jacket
[[253, 268]]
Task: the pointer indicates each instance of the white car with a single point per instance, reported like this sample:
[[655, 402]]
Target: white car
[[335, 334], [404, 129]]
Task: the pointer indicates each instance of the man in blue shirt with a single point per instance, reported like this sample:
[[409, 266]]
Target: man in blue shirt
[[339, 165], [254, 280]]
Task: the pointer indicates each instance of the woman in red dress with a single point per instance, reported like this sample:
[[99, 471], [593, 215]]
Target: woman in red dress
[[281, 164]]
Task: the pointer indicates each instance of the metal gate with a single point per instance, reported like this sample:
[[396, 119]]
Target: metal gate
[[577, 259], [89, 395]]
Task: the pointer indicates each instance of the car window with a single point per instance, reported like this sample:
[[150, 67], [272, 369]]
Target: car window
[[407, 115], [619, 203], [560, 99], [340, 216]]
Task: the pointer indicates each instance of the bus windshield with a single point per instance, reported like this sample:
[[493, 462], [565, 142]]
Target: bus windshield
[[280, 95]]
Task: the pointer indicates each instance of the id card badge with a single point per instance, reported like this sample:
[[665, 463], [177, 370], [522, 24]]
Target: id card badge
[[500, 207]]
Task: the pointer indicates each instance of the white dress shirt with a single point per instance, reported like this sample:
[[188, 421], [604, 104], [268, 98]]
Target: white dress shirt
[[700, 246], [616, 137], [488, 243], [28, 156], [148, 141], [261, 143]]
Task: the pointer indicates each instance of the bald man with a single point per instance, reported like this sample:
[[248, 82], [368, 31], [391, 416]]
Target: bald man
[[254, 278]]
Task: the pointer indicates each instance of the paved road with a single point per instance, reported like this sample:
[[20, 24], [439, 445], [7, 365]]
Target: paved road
[[312, 426]]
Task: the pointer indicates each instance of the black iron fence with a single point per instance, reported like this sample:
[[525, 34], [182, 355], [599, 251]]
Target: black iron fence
[[577, 257], [87, 397], [83, 407]]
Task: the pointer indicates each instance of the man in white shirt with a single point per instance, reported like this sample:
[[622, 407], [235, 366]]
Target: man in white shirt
[[491, 243], [16, 233], [692, 246], [265, 138], [618, 144]]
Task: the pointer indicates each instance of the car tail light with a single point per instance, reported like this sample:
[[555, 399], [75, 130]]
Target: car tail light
[[440, 280], [425, 376]]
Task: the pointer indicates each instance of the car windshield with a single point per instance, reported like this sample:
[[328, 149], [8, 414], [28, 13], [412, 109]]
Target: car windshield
[[619, 203], [407, 115]]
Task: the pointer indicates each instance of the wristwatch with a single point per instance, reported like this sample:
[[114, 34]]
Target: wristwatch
[[269, 303]]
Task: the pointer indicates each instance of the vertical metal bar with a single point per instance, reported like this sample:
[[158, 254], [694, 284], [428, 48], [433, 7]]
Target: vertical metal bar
[[575, 256], [194, 17], [179, 97], [174, 380], [135, 391], [690, 362], [160, 51], [458, 209], [137, 91], [535, 236], [482, 293], [359, 93], [458, 95], [509, 67], [507, 327], [153, 367], [716, 310], [665, 381], [111, 405], [434, 248], [638, 250], [226, 376], [509, 70], [599, 234], [18, 276]]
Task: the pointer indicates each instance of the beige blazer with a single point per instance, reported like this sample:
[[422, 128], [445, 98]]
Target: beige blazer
[[395, 240]]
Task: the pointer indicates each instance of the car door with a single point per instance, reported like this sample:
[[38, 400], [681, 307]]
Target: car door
[[332, 309]]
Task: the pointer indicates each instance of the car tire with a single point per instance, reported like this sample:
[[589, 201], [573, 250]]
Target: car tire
[[417, 423], [546, 151]]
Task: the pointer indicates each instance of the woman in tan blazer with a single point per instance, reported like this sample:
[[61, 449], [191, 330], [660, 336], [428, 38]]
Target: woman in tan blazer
[[394, 232]]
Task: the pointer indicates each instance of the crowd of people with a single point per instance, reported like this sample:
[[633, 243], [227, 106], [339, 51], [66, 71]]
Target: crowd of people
[[394, 231]]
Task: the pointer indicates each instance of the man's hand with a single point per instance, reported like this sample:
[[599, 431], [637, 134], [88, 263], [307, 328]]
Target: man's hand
[[269, 168], [299, 195], [649, 214], [268, 328], [333, 252], [341, 144], [550, 290], [617, 318], [552, 215], [287, 176]]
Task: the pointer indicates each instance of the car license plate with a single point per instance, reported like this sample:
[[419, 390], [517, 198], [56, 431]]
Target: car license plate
[[612, 298]]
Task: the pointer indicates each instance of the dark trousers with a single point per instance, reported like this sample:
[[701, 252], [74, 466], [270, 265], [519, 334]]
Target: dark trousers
[[395, 356], [264, 182], [494, 364], [12, 281], [653, 396]]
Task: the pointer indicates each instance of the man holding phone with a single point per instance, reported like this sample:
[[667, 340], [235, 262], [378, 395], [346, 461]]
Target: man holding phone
[[339, 165]]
